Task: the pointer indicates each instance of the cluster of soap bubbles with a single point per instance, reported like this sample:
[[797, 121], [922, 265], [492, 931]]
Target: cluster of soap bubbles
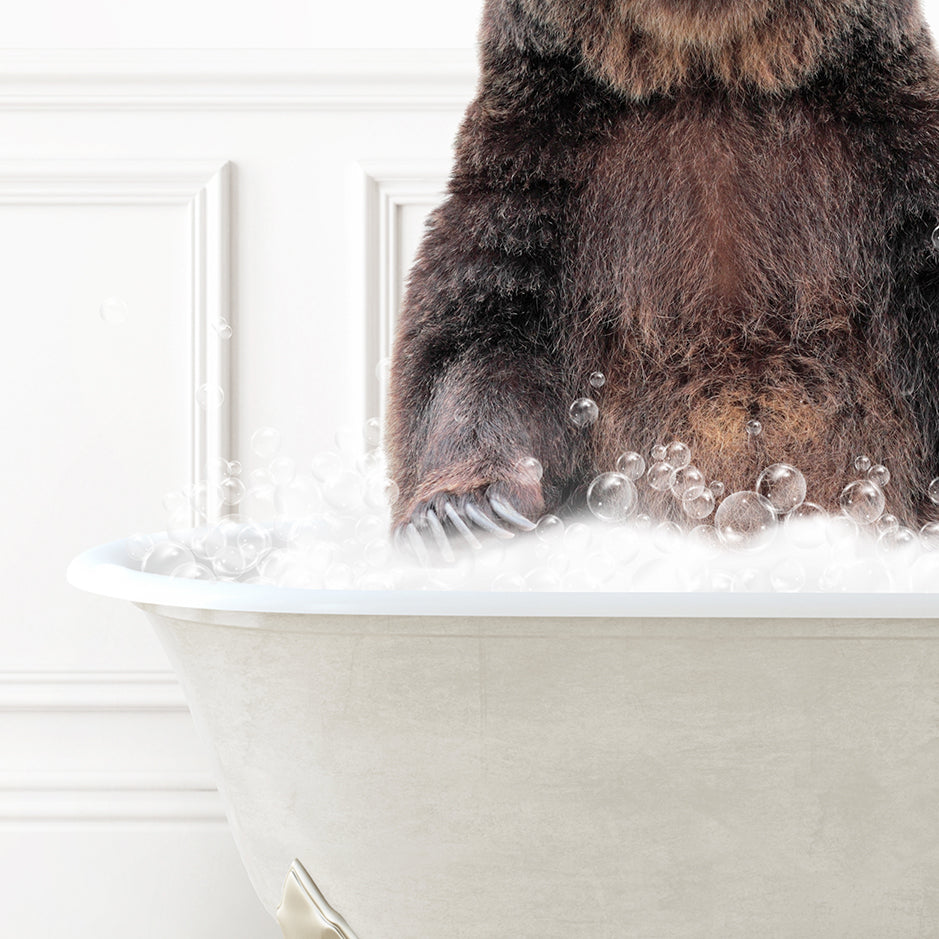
[[326, 526], [749, 519]]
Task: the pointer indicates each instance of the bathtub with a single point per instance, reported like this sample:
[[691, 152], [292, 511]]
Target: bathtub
[[427, 765]]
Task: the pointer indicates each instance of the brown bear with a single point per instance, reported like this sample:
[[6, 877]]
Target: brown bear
[[724, 206]]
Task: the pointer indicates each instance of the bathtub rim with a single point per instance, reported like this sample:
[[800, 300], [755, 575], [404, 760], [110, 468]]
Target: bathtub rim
[[103, 570]]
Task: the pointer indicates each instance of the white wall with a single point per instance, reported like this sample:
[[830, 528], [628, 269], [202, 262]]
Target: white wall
[[292, 189], [219, 24], [231, 24]]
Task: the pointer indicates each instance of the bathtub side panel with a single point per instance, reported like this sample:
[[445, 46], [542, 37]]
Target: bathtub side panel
[[473, 787]]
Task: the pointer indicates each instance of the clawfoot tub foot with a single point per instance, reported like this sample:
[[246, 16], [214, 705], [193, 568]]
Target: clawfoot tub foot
[[304, 913]]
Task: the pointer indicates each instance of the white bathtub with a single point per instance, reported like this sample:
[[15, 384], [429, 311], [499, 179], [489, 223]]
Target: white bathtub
[[544, 766]]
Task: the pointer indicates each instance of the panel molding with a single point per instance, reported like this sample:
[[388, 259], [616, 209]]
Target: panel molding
[[203, 188], [91, 692], [219, 79], [58, 796], [387, 188], [33, 798]]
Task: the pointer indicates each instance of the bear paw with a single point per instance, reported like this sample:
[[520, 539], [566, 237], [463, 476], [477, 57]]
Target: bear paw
[[500, 510]]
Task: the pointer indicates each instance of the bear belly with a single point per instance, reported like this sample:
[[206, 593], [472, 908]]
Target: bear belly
[[729, 271]]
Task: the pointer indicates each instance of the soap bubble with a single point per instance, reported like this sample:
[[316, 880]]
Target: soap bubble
[[138, 545], [788, 576], [584, 412], [631, 464], [929, 536], [371, 432], [659, 453], [745, 520], [721, 582], [259, 477], [601, 565], [622, 544], [924, 574], [376, 580], [327, 465], [549, 528], [611, 497], [542, 580], [179, 525], [301, 496], [677, 454], [899, 539], [305, 532], [705, 537], [165, 556], [751, 580], [369, 527], [206, 500], [805, 525], [879, 474], [887, 523], [344, 492], [666, 537], [863, 501], [348, 439], [529, 469], [282, 470], [209, 397], [866, 575], [259, 504], [222, 329], [508, 582], [378, 553], [265, 442], [380, 492], [935, 238], [717, 488], [253, 540], [193, 570], [862, 463], [232, 490], [176, 501], [688, 482], [933, 491], [231, 561], [577, 537], [383, 369], [219, 468], [597, 380], [783, 486], [661, 476], [700, 505], [113, 311], [841, 531], [754, 428], [339, 576]]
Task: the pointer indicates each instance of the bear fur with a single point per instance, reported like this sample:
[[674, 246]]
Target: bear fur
[[726, 207]]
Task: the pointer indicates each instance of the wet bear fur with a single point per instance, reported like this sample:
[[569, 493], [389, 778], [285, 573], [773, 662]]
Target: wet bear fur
[[725, 206]]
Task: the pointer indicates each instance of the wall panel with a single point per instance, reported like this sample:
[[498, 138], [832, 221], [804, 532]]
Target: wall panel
[[284, 193]]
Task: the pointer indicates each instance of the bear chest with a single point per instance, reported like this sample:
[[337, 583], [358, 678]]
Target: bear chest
[[717, 214]]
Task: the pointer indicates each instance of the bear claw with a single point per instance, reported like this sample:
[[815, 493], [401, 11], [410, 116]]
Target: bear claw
[[433, 523]]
